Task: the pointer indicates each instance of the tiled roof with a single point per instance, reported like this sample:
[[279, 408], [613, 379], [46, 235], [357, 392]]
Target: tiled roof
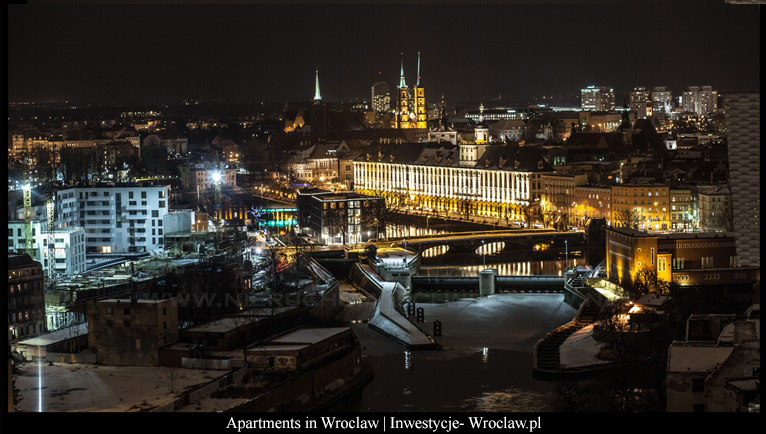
[[444, 154]]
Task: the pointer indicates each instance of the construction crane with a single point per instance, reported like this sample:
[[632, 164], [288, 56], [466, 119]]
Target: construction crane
[[29, 240], [50, 209]]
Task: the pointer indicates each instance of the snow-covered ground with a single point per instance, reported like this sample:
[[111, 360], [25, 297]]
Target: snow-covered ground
[[81, 387], [581, 350]]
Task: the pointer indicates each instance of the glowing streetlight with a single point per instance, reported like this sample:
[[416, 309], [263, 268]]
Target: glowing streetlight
[[216, 176]]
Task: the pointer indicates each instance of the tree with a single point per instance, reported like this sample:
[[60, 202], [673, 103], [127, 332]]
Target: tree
[[76, 164], [44, 160], [172, 375], [646, 280], [377, 215], [627, 218], [723, 218], [533, 213]]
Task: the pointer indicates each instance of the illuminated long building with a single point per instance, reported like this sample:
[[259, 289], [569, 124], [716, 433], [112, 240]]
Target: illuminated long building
[[497, 181]]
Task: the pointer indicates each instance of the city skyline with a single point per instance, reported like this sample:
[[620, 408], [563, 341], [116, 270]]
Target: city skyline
[[541, 53]]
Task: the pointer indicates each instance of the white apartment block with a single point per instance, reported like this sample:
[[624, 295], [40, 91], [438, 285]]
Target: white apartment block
[[119, 219], [69, 246]]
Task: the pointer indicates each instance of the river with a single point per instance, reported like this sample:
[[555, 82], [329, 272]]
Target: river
[[485, 363]]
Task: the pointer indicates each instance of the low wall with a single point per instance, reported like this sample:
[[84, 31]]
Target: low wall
[[202, 391], [306, 390], [385, 308], [71, 358], [502, 283], [214, 364]]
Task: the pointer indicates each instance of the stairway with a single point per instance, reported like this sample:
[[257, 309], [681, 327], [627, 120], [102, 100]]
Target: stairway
[[547, 358]]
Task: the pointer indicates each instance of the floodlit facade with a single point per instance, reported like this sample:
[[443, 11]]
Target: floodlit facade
[[498, 181], [649, 202], [685, 259], [557, 199], [684, 216]]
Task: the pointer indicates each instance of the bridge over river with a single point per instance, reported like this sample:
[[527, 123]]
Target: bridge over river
[[501, 240]]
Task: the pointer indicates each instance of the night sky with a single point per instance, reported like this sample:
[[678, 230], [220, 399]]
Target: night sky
[[106, 54]]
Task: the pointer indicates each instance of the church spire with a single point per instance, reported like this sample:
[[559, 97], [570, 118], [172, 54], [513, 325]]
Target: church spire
[[417, 84], [317, 95], [402, 84]]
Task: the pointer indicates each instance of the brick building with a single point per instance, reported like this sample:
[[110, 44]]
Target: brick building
[[130, 332], [685, 259], [26, 297]]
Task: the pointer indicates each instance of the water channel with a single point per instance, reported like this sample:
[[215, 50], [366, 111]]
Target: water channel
[[485, 363]]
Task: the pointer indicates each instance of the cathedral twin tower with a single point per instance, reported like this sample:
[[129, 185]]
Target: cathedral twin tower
[[410, 110]]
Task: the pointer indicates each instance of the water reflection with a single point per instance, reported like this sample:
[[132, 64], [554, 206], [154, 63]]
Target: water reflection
[[515, 268], [490, 249], [509, 400], [435, 251], [487, 380], [401, 231]]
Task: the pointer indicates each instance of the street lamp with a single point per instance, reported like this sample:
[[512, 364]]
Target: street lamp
[[483, 254], [566, 252]]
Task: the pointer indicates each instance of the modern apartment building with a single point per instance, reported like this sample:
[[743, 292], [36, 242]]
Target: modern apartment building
[[116, 219], [69, 247]]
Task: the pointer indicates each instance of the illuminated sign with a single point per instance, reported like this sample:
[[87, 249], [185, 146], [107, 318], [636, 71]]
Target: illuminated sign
[[278, 223], [280, 210]]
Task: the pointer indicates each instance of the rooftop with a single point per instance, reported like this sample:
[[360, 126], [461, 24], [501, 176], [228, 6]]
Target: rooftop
[[270, 348], [224, 325], [310, 335], [128, 301], [701, 357], [21, 261], [56, 336]]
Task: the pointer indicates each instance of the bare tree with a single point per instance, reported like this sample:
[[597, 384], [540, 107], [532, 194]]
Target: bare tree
[[646, 280], [722, 220], [533, 213], [172, 374], [627, 218]]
